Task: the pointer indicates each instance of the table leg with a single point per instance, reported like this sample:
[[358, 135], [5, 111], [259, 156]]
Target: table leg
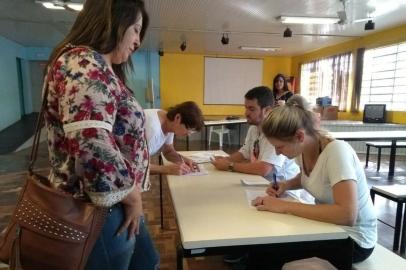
[[392, 159], [403, 237], [399, 209], [160, 195], [239, 134], [372, 192], [179, 258], [205, 138], [187, 142]]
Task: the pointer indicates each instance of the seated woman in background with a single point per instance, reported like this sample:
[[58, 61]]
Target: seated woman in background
[[330, 171], [161, 127], [281, 91]]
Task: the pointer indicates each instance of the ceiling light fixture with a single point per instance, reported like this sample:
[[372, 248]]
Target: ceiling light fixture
[[183, 46], [60, 4], [225, 39], [308, 20], [369, 25], [264, 49], [287, 33]]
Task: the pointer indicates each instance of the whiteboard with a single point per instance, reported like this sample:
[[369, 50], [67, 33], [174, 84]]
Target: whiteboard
[[227, 80]]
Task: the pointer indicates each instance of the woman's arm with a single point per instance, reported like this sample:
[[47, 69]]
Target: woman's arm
[[342, 212], [282, 186]]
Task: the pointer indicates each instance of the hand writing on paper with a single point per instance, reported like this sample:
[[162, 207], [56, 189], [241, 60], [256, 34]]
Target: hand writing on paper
[[271, 204], [177, 169], [276, 190], [192, 165]]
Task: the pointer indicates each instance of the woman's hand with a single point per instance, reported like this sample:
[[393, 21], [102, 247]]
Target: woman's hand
[[177, 169], [192, 165], [133, 213], [271, 204], [278, 189]]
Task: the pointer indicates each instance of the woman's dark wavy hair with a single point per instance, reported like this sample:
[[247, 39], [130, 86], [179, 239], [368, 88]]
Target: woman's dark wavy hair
[[285, 84], [101, 25]]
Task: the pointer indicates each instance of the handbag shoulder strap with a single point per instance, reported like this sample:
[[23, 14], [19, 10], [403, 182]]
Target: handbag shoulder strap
[[40, 120]]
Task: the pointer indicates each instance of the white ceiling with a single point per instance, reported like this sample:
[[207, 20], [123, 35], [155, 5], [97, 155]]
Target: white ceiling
[[202, 22]]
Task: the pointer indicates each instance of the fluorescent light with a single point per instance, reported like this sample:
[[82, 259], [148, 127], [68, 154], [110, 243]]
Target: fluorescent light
[[77, 7], [265, 49], [59, 4], [308, 20], [51, 5]]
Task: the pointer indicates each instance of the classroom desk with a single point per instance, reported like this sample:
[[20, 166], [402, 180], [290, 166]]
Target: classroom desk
[[391, 135], [214, 218], [209, 123]]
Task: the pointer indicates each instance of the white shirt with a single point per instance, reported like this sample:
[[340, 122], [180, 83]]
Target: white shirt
[[338, 162], [155, 136], [283, 168]]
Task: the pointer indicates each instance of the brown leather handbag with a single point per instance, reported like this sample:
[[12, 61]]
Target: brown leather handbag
[[49, 229]]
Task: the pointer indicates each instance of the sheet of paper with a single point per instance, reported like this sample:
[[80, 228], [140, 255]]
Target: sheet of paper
[[254, 182], [202, 157], [202, 171]]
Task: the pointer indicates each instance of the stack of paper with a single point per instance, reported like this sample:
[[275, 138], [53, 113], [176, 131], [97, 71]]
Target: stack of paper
[[202, 157], [255, 182]]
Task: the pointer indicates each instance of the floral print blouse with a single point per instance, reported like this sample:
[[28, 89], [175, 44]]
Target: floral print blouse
[[96, 136]]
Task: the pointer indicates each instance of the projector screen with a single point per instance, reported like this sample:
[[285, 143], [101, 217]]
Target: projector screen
[[226, 80]]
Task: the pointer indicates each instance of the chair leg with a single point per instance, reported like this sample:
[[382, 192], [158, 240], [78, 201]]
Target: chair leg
[[221, 140], [210, 132], [367, 157], [379, 159]]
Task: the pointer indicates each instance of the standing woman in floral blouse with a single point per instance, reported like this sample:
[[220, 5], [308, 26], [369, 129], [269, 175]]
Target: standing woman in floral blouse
[[96, 135]]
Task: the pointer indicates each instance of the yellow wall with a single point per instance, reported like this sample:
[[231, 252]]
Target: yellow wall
[[387, 37], [182, 75], [182, 78]]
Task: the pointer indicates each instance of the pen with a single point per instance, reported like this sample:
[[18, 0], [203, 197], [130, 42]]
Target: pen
[[275, 183], [195, 167]]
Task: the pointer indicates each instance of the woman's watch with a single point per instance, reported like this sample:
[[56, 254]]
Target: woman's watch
[[231, 166]]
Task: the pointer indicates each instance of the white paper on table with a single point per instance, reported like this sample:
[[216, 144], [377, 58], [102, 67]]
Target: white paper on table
[[203, 157], [253, 194], [202, 171], [254, 182]]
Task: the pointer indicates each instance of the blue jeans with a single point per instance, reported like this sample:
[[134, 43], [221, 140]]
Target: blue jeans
[[112, 252], [145, 256]]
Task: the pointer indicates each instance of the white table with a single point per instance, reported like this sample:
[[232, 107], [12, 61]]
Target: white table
[[392, 136], [214, 217], [396, 193]]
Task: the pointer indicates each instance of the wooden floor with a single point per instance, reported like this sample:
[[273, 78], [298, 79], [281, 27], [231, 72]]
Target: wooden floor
[[12, 173]]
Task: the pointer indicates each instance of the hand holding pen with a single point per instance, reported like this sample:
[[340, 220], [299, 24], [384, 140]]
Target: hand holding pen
[[193, 167], [276, 188]]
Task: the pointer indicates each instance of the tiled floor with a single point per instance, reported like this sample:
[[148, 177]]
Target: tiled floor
[[12, 173]]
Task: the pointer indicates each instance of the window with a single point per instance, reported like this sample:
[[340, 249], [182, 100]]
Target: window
[[327, 77], [384, 77]]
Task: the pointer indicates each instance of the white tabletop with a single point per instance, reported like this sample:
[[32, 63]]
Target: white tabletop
[[396, 191], [224, 122], [212, 211], [370, 135]]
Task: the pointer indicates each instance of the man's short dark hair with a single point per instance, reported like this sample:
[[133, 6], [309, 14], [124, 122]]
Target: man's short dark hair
[[190, 113], [262, 94]]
